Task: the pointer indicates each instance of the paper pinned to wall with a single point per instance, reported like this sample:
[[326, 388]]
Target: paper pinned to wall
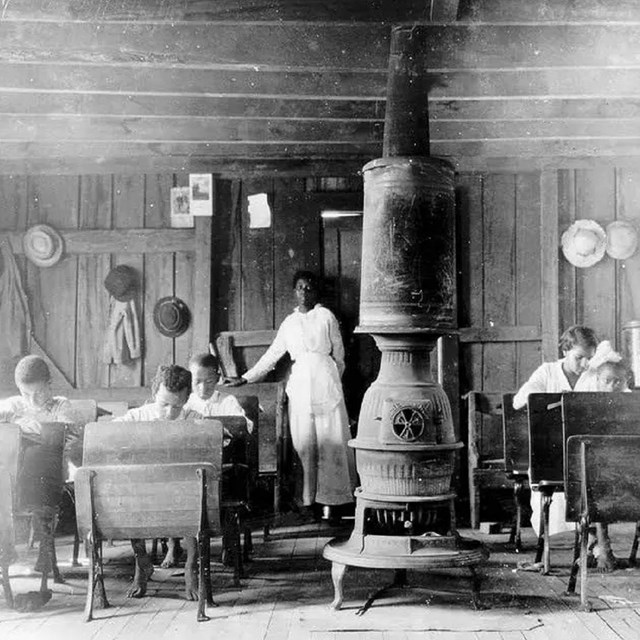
[[201, 187], [259, 211], [181, 217]]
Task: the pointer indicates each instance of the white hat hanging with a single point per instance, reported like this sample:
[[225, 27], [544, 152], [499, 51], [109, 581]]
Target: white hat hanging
[[43, 245], [584, 243], [622, 239]]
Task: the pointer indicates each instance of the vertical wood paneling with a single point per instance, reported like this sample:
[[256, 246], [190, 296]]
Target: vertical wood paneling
[[227, 256], [297, 240], [549, 263], [628, 208], [13, 216], [159, 273], [499, 366], [566, 272], [93, 298], [54, 200], [128, 213], [527, 269], [470, 269], [596, 301], [257, 261], [184, 276]]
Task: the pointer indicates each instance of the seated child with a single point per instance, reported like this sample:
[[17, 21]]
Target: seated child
[[36, 402], [611, 376], [170, 388], [35, 405], [205, 398]]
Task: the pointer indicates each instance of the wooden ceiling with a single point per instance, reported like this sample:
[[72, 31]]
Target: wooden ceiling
[[299, 86]]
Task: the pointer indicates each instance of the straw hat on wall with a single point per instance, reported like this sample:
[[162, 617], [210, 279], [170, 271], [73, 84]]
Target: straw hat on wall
[[622, 239], [42, 245], [584, 243]]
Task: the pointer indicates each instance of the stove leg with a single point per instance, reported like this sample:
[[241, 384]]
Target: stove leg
[[337, 575], [476, 582]]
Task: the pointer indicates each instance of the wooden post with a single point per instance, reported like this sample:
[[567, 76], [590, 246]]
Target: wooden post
[[202, 315], [549, 264]]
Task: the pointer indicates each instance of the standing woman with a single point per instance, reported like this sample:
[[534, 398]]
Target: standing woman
[[317, 412], [578, 345]]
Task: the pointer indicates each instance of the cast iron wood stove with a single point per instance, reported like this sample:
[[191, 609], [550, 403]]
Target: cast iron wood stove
[[406, 444]]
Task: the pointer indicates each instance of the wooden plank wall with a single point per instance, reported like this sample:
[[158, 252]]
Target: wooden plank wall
[[69, 304], [516, 288], [253, 288]]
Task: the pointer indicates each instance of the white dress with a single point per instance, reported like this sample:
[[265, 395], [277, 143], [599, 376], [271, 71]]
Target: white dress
[[550, 378], [317, 413]]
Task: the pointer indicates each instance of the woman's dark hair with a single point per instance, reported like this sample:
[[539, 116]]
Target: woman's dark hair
[[206, 360], [174, 377], [311, 277], [578, 335]]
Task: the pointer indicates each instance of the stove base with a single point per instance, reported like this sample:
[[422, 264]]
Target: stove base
[[448, 553]]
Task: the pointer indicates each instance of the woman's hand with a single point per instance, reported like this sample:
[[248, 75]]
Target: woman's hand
[[234, 382]]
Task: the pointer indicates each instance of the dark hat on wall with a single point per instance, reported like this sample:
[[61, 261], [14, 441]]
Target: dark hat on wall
[[171, 316], [122, 282], [43, 245]]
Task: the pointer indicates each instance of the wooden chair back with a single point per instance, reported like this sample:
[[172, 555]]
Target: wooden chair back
[[485, 453], [147, 500], [273, 430], [515, 424], [603, 478], [545, 439], [40, 476], [239, 457]]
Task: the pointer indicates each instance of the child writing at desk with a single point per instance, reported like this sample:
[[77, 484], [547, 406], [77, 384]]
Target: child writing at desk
[[585, 366]]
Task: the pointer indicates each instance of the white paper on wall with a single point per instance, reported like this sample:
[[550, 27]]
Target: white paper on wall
[[181, 217], [259, 211], [201, 194]]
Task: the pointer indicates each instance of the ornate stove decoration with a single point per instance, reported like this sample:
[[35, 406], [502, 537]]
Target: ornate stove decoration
[[406, 444]]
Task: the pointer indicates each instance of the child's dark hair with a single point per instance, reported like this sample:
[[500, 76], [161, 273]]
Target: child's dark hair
[[174, 377], [32, 369], [206, 360], [578, 336], [301, 274]]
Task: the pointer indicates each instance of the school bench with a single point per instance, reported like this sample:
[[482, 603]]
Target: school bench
[[515, 424], [553, 419], [486, 465], [546, 446], [602, 485], [149, 480]]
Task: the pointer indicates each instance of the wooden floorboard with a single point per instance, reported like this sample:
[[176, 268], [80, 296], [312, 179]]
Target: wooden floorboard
[[287, 589]]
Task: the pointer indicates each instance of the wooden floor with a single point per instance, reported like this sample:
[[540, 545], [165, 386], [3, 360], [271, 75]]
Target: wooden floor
[[286, 593]]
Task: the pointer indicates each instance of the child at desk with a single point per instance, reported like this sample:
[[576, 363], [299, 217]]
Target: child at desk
[[611, 376], [36, 403], [205, 399], [170, 388]]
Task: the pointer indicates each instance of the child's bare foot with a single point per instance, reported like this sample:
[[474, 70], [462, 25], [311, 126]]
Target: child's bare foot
[[172, 557], [606, 563]]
